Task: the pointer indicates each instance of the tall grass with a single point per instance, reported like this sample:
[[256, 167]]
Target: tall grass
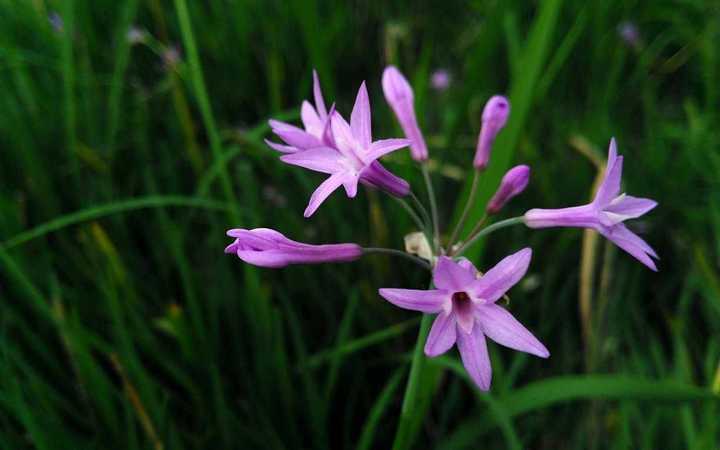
[[123, 325]]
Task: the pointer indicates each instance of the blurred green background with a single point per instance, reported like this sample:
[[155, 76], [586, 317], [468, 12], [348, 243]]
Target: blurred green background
[[131, 139]]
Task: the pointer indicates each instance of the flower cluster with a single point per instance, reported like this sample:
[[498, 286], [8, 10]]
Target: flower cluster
[[464, 299]]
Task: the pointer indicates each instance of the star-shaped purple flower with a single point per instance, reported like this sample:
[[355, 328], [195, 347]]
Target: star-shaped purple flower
[[605, 214], [328, 144], [467, 313], [352, 156]]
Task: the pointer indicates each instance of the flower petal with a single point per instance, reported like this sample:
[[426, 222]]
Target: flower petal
[[281, 147], [319, 102], [272, 259], [351, 184], [360, 120], [320, 159], [621, 236], [610, 186], [378, 176], [500, 326], [451, 276], [430, 301], [503, 276], [298, 138], [399, 95], [382, 147], [469, 266], [313, 124], [442, 335], [475, 358], [323, 191], [342, 135], [630, 207]]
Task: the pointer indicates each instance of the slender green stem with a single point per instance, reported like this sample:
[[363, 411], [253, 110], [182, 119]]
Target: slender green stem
[[421, 208], [198, 83], [68, 72], [419, 222], [391, 251], [411, 389], [466, 210], [487, 230], [433, 206], [477, 227]]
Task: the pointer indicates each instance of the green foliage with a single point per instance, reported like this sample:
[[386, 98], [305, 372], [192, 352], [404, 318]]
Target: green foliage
[[124, 326]]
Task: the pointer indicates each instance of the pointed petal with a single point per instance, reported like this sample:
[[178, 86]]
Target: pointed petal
[[351, 184], [610, 186], [467, 265], [442, 335], [430, 301], [320, 159], [630, 207], [500, 326], [475, 358], [319, 102], [621, 236], [503, 276], [383, 147], [323, 191], [280, 125], [342, 135], [310, 120], [298, 138], [281, 147], [450, 276], [360, 120]]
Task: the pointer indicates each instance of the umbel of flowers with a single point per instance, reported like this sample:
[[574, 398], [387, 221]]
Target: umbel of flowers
[[463, 299]]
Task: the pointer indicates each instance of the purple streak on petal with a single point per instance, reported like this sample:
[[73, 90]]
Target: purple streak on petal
[[281, 147], [320, 159], [575, 216], [494, 117], [431, 301], [630, 207], [500, 326], [450, 276], [319, 102], [503, 276], [323, 191], [399, 96], [377, 176], [442, 335], [475, 358], [313, 124], [384, 146], [360, 121], [513, 183], [631, 243]]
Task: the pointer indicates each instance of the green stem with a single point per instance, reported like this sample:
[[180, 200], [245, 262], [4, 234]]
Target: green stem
[[402, 438], [421, 208], [487, 230], [433, 206], [466, 210], [198, 83], [419, 222], [390, 251]]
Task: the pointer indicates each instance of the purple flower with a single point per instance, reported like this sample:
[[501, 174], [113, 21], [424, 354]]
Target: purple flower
[[440, 79], [494, 117], [629, 33], [267, 248], [399, 96], [514, 182], [349, 158], [467, 313], [605, 214], [316, 121], [56, 22]]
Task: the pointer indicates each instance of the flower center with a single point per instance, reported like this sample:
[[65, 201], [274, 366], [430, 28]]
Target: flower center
[[463, 309]]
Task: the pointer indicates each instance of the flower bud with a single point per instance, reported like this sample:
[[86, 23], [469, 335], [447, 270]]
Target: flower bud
[[399, 96], [494, 117], [264, 247], [513, 183]]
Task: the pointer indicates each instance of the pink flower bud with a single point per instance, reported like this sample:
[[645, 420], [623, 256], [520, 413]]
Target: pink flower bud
[[399, 96], [513, 183], [494, 117]]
